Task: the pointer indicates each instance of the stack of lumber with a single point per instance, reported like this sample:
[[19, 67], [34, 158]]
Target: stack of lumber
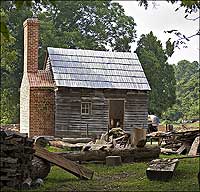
[[183, 141], [16, 154]]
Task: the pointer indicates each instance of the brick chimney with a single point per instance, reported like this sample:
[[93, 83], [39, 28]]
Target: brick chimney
[[31, 39]]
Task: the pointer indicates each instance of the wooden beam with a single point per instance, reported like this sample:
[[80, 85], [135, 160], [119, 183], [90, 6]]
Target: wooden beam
[[66, 164]]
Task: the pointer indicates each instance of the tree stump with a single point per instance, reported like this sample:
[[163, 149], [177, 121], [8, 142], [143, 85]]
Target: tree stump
[[40, 168], [113, 160], [138, 137]]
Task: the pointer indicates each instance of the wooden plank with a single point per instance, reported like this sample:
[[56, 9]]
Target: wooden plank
[[70, 166], [181, 149], [194, 147]]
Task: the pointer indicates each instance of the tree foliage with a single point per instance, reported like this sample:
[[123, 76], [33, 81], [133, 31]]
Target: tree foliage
[[9, 90], [190, 6], [187, 91], [158, 72]]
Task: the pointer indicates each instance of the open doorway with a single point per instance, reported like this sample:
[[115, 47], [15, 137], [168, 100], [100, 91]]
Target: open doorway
[[116, 113]]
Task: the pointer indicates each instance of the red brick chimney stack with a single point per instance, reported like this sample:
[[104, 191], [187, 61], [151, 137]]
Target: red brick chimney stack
[[31, 39]]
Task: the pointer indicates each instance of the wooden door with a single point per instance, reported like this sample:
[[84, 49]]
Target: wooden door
[[116, 113]]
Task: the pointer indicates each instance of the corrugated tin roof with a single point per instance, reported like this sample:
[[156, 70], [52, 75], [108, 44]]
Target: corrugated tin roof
[[97, 69], [42, 78]]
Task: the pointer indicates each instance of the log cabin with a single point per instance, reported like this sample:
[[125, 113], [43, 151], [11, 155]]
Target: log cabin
[[80, 93]]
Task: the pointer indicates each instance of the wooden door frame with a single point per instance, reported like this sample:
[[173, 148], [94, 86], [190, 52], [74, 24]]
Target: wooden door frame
[[116, 99]]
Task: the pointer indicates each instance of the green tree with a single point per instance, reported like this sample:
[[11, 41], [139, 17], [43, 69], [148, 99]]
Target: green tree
[[187, 92], [187, 89], [9, 89], [97, 25], [159, 73]]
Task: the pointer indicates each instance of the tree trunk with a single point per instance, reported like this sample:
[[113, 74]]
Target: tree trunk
[[127, 155], [40, 168]]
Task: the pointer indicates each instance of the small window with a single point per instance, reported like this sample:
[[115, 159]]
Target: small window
[[85, 108]]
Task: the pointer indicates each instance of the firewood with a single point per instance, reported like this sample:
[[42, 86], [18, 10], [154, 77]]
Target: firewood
[[16, 156]]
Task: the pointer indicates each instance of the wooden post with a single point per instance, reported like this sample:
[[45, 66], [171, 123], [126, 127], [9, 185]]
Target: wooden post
[[108, 133]]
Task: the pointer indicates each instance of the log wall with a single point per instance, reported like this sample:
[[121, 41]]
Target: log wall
[[70, 123]]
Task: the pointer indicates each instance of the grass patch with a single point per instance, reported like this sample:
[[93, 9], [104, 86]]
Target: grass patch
[[128, 177], [56, 149]]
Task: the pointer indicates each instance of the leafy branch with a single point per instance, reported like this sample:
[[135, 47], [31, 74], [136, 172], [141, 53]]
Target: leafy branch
[[181, 37]]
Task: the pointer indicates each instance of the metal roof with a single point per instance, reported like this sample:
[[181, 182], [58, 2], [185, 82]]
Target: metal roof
[[97, 69]]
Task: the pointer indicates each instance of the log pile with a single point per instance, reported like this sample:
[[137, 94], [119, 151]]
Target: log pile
[[10, 127], [180, 142], [115, 138], [16, 154]]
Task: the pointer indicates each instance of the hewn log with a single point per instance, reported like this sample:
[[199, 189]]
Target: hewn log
[[62, 144], [127, 155]]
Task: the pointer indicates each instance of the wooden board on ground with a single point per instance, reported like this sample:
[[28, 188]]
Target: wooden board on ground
[[70, 166], [161, 169], [181, 149], [194, 147]]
